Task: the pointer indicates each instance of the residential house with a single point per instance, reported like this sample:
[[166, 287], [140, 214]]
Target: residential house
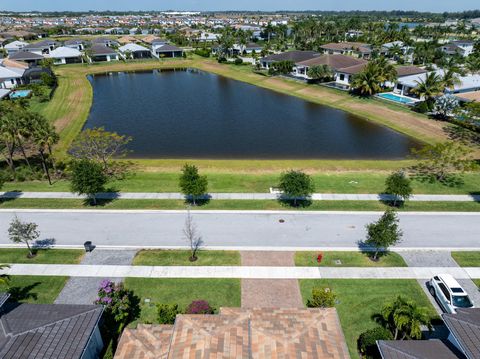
[[45, 331], [150, 39], [240, 333], [335, 62], [77, 44], [157, 42], [463, 341], [357, 49], [14, 47], [10, 77], [41, 47], [66, 55], [247, 49], [168, 51], [460, 47], [105, 41], [101, 53], [31, 58], [135, 51], [293, 56], [127, 40]]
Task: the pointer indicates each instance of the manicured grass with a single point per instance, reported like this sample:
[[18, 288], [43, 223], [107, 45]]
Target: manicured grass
[[34, 289], [477, 282], [238, 205], [348, 259], [181, 258], [218, 292], [44, 256], [333, 182], [467, 259], [360, 299]]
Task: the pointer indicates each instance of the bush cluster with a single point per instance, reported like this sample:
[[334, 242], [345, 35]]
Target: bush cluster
[[322, 297]]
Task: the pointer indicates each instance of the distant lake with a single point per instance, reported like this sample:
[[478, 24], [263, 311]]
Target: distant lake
[[195, 114]]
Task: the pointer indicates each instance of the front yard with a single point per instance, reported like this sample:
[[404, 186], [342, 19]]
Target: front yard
[[34, 289], [467, 259], [358, 300], [181, 258], [44, 256], [347, 259]]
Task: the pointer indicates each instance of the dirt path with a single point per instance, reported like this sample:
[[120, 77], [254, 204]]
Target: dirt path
[[270, 293]]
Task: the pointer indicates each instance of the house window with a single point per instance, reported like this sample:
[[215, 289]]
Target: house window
[[13, 81], [342, 77], [399, 86]]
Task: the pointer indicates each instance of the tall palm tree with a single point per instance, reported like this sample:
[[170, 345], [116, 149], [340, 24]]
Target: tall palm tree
[[387, 70], [450, 79], [320, 72], [430, 87], [369, 81]]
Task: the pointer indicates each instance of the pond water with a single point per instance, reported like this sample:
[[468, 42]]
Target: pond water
[[194, 114]]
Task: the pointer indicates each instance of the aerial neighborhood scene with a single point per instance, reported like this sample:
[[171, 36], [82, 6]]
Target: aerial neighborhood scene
[[276, 179]]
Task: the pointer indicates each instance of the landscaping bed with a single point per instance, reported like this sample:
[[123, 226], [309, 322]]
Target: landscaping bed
[[347, 259], [43, 256], [218, 292], [358, 300], [181, 258], [34, 289], [467, 259]]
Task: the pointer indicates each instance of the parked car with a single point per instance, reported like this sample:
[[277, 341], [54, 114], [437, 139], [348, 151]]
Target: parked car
[[449, 294]]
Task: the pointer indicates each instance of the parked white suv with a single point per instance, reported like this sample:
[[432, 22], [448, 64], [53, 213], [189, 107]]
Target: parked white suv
[[450, 295]]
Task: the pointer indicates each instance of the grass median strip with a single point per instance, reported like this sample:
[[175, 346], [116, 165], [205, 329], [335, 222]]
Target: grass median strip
[[218, 292], [347, 259], [236, 205], [43, 256], [358, 300], [34, 289], [467, 259], [181, 258]]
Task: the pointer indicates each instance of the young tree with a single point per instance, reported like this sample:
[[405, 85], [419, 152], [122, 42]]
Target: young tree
[[445, 106], [192, 236], [442, 159], [23, 232], [101, 146], [296, 185], [192, 184], [383, 233], [87, 177], [4, 278], [398, 185], [320, 72]]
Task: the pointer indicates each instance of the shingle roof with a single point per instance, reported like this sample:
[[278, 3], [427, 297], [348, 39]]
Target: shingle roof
[[295, 56], [25, 55], [99, 50], [409, 70], [415, 349], [465, 327], [353, 70], [167, 48], [41, 44], [74, 42], [334, 61], [65, 52], [41, 331], [132, 48], [346, 46]]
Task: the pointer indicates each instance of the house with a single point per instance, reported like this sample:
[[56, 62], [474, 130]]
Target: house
[[358, 49], [461, 47], [240, 333], [14, 47], [168, 51], [335, 62], [105, 41], [293, 56], [127, 40], [150, 39], [41, 47], [463, 341], [135, 51], [157, 42], [66, 55], [77, 44], [100, 53], [247, 49], [30, 58], [10, 77], [44, 331]]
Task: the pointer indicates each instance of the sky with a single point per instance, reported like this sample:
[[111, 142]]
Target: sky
[[220, 5]]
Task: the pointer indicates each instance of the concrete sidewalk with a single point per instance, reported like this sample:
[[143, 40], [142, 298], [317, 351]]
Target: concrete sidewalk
[[253, 272], [239, 196]]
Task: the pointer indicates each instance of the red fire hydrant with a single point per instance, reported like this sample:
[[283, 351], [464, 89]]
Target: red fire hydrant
[[319, 258]]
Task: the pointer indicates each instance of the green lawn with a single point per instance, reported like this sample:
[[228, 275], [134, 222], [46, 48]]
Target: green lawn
[[477, 282], [181, 258], [467, 259], [238, 205], [44, 256], [360, 299], [218, 292], [348, 259], [349, 182], [34, 289]]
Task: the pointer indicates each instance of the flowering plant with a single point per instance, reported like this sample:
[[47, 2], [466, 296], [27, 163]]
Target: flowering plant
[[199, 307], [119, 303]]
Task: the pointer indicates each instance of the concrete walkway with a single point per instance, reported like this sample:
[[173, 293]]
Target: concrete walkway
[[240, 196], [83, 288], [253, 272]]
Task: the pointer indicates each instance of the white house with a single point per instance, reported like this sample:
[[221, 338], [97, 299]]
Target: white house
[[99, 53], [460, 47], [66, 55], [10, 77], [134, 51], [14, 47]]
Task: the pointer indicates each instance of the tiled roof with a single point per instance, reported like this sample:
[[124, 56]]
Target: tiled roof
[[25, 55], [353, 70], [334, 61], [347, 46], [415, 349], [465, 327], [241, 333], [41, 331], [295, 56], [409, 70], [167, 48]]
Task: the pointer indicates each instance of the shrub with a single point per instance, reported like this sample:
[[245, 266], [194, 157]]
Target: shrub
[[203, 52], [367, 341], [322, 297], [238, 61], [222, 60], [199, 307], [421, 107], [167, 313]]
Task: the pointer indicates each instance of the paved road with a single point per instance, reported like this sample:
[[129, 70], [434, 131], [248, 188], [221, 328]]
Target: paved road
[[244, 229]]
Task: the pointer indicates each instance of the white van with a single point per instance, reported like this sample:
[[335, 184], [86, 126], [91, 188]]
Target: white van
[[449, 294]]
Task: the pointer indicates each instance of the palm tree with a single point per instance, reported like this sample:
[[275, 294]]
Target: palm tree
[[450, 79], [387, 70], [369, 81], [319, 72], [430, 87]]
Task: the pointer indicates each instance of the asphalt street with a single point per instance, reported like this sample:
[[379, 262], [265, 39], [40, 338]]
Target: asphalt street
[[243, 229]]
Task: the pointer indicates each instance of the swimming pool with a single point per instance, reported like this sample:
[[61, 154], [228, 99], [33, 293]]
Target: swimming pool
[[20, 94], [396, 98]]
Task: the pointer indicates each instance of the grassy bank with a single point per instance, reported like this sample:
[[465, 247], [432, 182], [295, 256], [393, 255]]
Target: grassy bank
[[181, 258], [218, 292], [467, 259], [329, 182], [358, 300], [43, 256], [237, 205], [34, 289], [347, 259]]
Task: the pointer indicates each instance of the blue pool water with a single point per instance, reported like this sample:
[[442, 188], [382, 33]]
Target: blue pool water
[[20, 94], [396, 98]]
